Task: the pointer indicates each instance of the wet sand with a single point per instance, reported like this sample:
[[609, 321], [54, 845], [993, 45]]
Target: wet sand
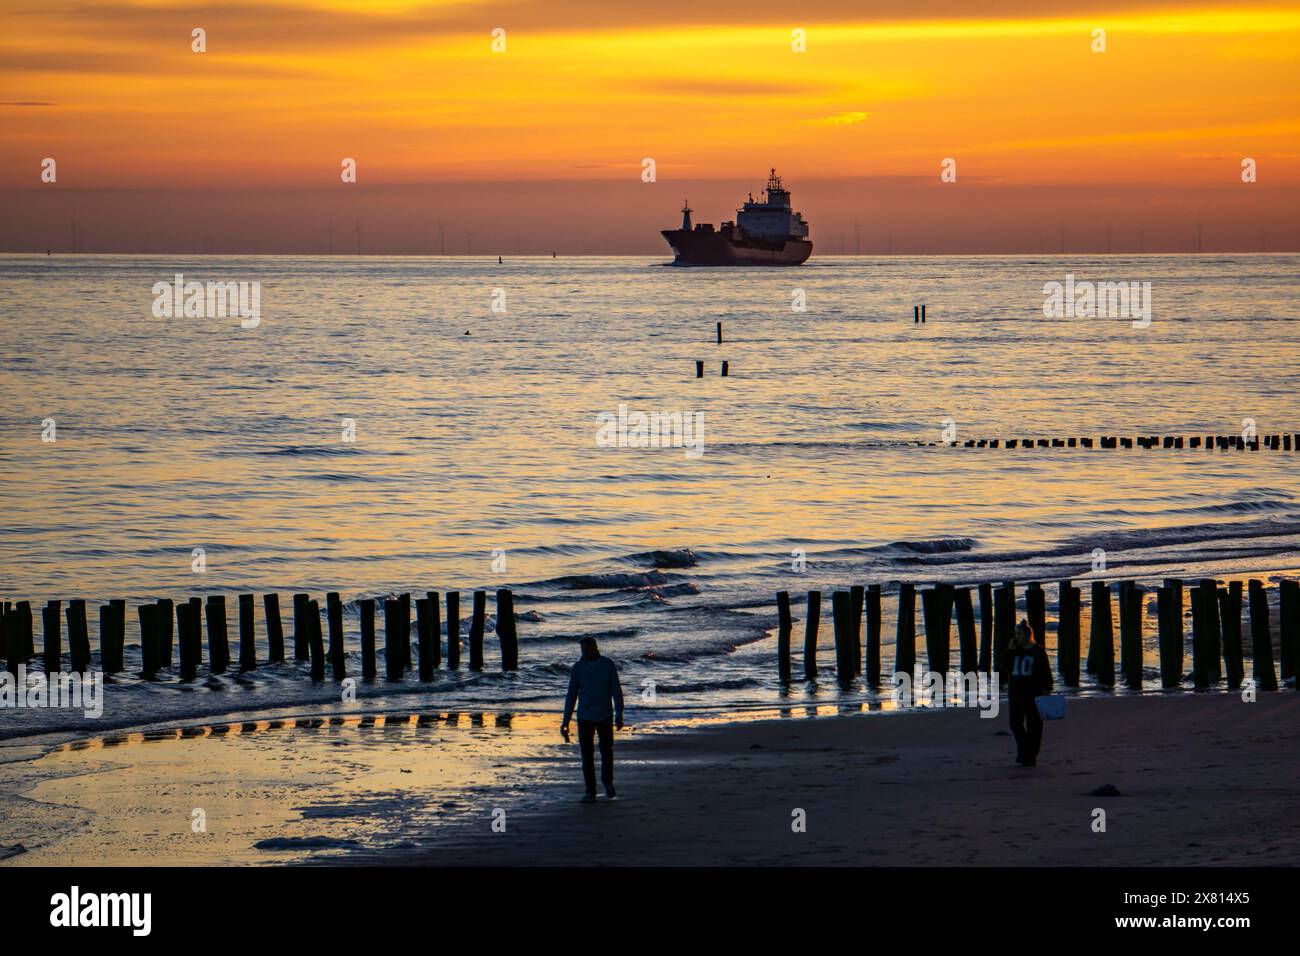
[[1203, 779]]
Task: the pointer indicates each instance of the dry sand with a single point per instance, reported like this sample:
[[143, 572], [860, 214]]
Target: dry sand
[[1203, 779]]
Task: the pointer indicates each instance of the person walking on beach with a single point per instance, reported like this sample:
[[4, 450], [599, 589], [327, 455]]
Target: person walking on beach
[[1026, 662], [593, 685]]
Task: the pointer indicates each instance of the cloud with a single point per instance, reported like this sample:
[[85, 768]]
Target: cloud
[[847, 118]]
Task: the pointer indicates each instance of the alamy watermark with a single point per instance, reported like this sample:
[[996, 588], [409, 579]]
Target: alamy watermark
[[1105, 300], [211, 300], [633, 429], [954, 689], [63, 690]]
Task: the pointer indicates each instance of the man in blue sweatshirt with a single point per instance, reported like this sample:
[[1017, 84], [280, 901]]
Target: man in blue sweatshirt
[[593, 683]]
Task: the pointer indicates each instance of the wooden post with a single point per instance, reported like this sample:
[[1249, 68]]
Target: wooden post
[[453, 630], [166, 615], [274, 629], [1230, 626], [1004, 622], [841, 609], [25, 635], [301, 636], [1130, 634], [218, 642], [986, 627], [725, 369], [50, 618], [719, 333], [507, 630], [435, 632], [188, 626], [404, 621], [337, 652], [393, 657], [476, 631], [873, 636], [1213, 641], [936, 612], [1036, 611], [1068, 633], [1288, 597], [148, 614], [316, 641], [10, 642], [968, 651], [424, 637], [109, 663], [1101, 639], [857, 595], [699, 368], [810, 625], [784, 625], [1170, 635], [78, 636], [247, 634], [367, 609], [905, 636], [1200, 642], [1261, 638]]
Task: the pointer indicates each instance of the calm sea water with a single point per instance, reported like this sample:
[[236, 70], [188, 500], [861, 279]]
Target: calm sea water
[[476, 432]]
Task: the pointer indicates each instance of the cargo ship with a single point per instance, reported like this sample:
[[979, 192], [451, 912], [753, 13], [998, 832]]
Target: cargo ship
[[766, 232]]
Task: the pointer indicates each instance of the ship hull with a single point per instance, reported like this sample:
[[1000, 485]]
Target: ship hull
[[701, 248]]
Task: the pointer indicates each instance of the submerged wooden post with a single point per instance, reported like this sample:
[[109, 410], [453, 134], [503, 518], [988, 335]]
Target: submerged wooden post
[[110, 650], [337, 653], [857, 596], [905, 636], [367, 608], [1230, 626], [968, 650], [1101, 638], [1200, 643], [78, 636], [274, 629], [9, 638], [1213, 638], [453, 630], [247, 634], [841, 609], [218, 642], [476, 631], [784, 626], [1130, 634], [393, 658], [1170, 634], [936, 613], [699, 368], [301, 637], [187, 623], [435, 632], [986, 627], [507, 630], [26, 639], [148, 615], [812, 621], [1261, 638], [316, 641], [166, 614], [53, 631], [873, 636], [1068, 633], [1288, 597], [424, 637]]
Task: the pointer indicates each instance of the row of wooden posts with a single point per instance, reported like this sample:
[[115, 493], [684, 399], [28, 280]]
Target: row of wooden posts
[[156, 634], [1217, 648], [1278, 442]]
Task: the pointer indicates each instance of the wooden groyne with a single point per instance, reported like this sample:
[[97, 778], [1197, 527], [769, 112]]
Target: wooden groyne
[[1276, 442], [195, 618], [1217, 646]]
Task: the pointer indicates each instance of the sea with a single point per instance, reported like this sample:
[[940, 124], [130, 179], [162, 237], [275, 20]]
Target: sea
[[403, 425]]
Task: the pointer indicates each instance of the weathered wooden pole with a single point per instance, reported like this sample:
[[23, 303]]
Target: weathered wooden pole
[[1036, 611], [986, 627], [148, 614], [78, 636], [1170, 635], [453, 630], [967, 643], [1068, 633], [841, 611], [367, 608], [1130, 634], [301, 636], [218, 642], [9, 642], [1261, 638], [857, 597], [247, 634], [507, 630], [435, 632], [812, 622], [873, 636], [1200, 642], [784, 626], [936, 613], [316, 641], [166, 615], [1288, 597], [1004, 622], [1230, 626], [905, 636], [337, 652], [53, 631], [1101, 637], [274, 629], [1213, 634], [424, 637], [187, 623], [393, 657], [477, 617], [26, 634], [110, 651]]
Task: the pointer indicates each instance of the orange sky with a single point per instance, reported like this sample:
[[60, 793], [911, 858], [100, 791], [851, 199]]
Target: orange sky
[[584, 90]]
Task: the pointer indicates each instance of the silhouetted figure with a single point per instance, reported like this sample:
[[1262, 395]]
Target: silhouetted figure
[[594, 687], [1030, 675]]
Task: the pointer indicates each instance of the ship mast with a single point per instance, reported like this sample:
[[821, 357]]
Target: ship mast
[[686, 215]]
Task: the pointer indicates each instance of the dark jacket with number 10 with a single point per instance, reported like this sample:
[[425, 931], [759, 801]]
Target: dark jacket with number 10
[[1028, 672]]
